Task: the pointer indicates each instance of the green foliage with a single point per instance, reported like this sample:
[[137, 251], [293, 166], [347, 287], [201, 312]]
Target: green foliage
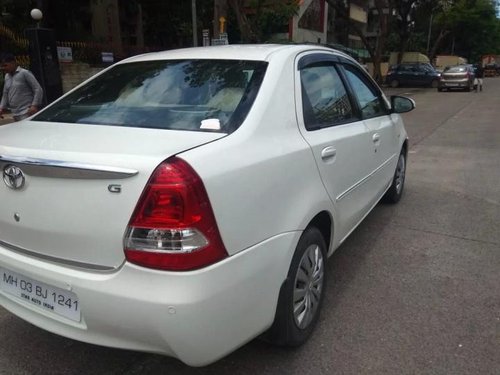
[[265, 18], [15, 14], [169, 24], [274, 18], [472, 26]]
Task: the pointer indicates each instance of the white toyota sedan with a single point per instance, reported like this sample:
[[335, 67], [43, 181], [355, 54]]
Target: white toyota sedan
[[185, 202]]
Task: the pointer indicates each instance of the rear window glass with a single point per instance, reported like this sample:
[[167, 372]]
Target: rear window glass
[[456, 69], [197, 95]]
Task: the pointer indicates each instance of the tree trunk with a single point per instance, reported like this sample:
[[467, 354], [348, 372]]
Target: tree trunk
[[246, 32], [440, 38], [383, 30], [403, 45], [404, 24]]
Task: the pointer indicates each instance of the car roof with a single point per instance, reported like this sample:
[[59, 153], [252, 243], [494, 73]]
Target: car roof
[[257, 52], [413, 63]]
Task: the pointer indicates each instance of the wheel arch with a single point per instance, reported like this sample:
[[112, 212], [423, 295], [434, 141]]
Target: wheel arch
[[323, 221], [404, 147]]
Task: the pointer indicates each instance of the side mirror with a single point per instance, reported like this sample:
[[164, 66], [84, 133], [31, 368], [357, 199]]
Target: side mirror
[[401, 104]]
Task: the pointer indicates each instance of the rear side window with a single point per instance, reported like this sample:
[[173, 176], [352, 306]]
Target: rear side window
[[406, 68], [426, 68], [324, 98], [197, 95], [369, 100]]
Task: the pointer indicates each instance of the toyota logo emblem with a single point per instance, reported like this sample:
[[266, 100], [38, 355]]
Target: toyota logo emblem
[[13, 177]]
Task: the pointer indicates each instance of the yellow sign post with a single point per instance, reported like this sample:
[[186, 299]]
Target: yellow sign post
[[222, 22]]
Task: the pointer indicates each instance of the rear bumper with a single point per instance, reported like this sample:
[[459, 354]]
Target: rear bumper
[[462, 83], [196, 316]]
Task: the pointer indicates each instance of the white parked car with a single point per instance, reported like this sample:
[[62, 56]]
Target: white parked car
[[185, 202]]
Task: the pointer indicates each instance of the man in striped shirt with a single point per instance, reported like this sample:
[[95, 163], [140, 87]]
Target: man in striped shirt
[[22, 93]]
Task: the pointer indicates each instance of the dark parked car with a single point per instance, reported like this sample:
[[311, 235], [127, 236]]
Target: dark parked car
[[412, 74], [457, 77]]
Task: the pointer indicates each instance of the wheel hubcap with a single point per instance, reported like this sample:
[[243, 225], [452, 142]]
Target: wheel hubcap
[[308, 286], [400, 173]]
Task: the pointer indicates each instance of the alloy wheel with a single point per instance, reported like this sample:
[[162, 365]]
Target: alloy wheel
[[308, 286], [400, 173]]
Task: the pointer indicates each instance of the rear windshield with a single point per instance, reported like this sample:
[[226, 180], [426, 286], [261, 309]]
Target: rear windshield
[[197, 95], [456, 69]]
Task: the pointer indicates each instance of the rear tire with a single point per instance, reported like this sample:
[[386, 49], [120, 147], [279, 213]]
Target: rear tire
[[301, 295], [393, 195], [394, 83], [434, 84]]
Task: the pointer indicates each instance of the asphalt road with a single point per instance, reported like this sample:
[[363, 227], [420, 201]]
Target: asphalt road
[[414, 290]]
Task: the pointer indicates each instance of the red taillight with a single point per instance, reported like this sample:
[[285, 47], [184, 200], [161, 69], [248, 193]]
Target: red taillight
[[173, 226]]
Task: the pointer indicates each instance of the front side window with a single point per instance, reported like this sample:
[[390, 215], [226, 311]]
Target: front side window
[[198, 95], [324, 98], [369, 101]]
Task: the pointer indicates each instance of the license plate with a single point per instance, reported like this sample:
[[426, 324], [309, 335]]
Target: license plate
[[452, 84], [44, 296]]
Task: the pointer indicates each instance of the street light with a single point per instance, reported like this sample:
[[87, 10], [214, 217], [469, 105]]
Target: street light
[[44, 63], [37, 15]]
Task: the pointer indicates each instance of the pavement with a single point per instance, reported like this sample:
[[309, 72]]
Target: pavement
[[414, 290]]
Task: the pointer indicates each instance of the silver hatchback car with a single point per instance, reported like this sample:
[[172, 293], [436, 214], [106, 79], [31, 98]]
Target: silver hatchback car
[[457, 77]]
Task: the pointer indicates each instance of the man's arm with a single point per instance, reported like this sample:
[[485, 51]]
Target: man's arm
[[37, 92], [3, 102]]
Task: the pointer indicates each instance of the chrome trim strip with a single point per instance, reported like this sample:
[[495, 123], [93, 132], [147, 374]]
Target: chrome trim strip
[[64, 169], [362, 181], [59, 261]]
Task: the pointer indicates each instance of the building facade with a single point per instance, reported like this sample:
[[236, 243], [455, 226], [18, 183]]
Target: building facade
[[497, 7], [310, 24]]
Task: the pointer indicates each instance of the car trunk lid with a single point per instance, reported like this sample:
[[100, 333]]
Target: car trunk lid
[[81, 185]]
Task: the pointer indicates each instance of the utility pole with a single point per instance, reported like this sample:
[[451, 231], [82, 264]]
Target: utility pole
[[195, 26], [429, 34]]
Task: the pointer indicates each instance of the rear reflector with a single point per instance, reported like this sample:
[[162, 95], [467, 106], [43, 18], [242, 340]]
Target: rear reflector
[[173, 226]]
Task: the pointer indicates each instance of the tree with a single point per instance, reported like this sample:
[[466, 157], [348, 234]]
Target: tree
[[404, 22], [258, 20], [468, 28], [382, 10]]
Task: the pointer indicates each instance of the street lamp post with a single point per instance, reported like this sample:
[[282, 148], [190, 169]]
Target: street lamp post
[[429, 35], [37, 15], [44, 63], [195, 26]]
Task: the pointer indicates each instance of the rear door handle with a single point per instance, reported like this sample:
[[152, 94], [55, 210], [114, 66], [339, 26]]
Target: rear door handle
[[376, 138], [328, 153]]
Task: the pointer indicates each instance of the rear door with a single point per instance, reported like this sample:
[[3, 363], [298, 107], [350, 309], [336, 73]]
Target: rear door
[[340, 141], [421, 76], [406, 75]]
